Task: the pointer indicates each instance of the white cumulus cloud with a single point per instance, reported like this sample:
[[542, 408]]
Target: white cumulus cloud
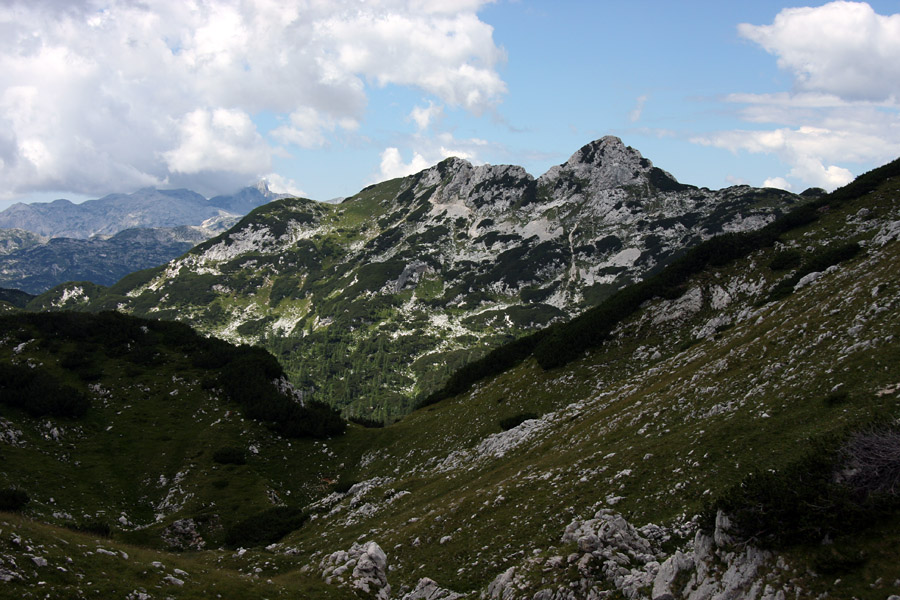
[[309, 128], [283, 185], [101, 95], [777, 182], [428, 150], [219, 140], [424, 116], [804, 149], [638, 109], [843, 110], [841, 48], [392, 164]]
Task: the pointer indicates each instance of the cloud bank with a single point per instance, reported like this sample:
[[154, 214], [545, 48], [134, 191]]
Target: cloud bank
[[841, 48], [842, 58], [102, 95]]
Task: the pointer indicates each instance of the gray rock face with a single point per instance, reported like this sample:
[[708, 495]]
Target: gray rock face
[[668, 572], [12, 240], [362, 568], [428, 589], [604, 164], [615, 556]]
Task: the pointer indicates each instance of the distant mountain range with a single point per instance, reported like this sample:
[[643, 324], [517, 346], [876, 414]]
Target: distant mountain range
[[146, 208], [101, 241], [104, 261]]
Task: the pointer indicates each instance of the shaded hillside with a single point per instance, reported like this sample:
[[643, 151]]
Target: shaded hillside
[[375, 301], [132, 420], [103, 261], [16, 298]]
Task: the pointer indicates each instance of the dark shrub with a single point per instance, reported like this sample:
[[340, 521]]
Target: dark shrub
[[230, 456], [835, 398], [786, 259], [96, 527], [12, 499], [814, 498], [872, 460], [514, 421], [39, 393], [343, 486], [831, 256], [818, 262], [265, 527], [367, 422]]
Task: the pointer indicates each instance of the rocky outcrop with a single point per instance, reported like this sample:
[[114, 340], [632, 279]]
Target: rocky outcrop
[[362, 569], [183, 535], [614, 556], [428, 589]]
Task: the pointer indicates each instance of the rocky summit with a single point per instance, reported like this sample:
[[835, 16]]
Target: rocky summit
[[373, 302]]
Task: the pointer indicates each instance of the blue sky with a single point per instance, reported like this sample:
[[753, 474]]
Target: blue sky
[[323, 98]]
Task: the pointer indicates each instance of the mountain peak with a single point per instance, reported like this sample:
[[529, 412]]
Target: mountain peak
[[612, 156], [452, 163], [608, 163]]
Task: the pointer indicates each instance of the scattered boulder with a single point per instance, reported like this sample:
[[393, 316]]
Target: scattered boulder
[[428, 589], [183, 535], [367, 567], [615, 557]]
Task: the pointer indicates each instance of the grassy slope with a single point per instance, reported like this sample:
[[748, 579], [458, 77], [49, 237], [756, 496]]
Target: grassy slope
[[660, 417], [687, 423]]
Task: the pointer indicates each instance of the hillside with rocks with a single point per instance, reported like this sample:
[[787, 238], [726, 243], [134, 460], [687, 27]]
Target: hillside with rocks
[[374, 302], [733, 435]]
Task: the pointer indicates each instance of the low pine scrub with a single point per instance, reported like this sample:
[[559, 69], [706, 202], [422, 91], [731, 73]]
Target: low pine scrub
[[230, 456], [265, 528], [814, 264], [837, 488], [13, 499], [39, 393]]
